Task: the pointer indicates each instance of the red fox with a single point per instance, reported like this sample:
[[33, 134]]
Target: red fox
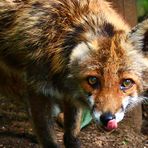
[[74, 53]]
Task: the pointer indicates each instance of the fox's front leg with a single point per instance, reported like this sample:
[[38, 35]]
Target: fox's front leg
[[72, 120], [42, 121]]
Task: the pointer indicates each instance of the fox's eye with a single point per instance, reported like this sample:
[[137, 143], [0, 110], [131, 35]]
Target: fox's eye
[[92, 80], [126, 84]]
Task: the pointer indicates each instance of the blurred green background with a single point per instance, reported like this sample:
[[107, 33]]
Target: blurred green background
[[142, 9]]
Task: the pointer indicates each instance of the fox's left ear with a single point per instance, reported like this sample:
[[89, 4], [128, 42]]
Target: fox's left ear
[[139, 37]]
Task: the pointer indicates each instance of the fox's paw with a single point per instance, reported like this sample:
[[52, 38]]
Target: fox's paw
[[71, 142]]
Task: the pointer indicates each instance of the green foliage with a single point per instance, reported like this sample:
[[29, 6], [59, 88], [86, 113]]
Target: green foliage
[[86, 118], [142, 8]]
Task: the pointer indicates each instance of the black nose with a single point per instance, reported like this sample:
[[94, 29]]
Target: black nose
[[105, 117]]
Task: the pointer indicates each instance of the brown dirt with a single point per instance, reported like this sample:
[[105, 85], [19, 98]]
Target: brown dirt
[[16, 131]]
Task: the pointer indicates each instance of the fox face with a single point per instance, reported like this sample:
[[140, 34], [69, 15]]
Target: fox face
[[110, 72]]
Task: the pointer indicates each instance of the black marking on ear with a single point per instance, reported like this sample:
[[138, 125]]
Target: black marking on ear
[[108, 29], [145, 41], [71, 40]]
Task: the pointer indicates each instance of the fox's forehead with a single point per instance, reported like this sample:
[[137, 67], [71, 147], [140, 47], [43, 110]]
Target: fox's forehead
[[104, 53], [112, 53]]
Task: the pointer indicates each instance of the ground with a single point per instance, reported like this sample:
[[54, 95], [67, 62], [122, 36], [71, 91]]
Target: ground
[[16, 131]]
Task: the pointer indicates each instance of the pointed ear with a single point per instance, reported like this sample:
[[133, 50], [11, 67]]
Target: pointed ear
[[139, 37]]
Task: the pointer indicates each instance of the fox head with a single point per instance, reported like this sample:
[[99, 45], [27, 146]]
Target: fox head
[[111, 72]]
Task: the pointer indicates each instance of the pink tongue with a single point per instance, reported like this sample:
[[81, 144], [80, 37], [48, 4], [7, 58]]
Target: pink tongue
[[112, 124]]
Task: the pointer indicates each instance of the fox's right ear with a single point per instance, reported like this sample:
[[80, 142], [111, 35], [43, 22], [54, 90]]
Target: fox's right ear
[[139, 37]]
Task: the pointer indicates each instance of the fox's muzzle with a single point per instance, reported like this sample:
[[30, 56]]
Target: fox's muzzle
[[108, 121]]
